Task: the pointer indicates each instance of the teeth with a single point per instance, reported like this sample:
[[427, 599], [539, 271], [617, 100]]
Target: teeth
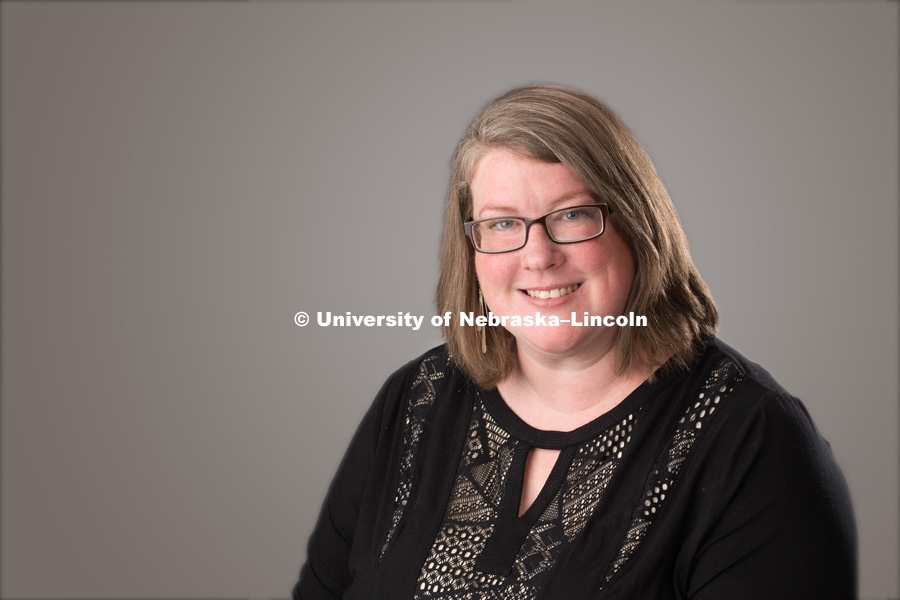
[[543, 294]]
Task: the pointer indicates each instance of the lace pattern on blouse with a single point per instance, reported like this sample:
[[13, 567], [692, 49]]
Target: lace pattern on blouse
[[423, 392], [472, 512], [720, 383]]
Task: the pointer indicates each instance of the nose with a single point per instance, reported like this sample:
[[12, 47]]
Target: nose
[[540, 252]]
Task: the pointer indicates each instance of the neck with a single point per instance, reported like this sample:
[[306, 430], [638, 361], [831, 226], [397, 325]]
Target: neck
[[564, 393]]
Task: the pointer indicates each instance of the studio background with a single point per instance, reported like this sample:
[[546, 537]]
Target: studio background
[[180, 178]]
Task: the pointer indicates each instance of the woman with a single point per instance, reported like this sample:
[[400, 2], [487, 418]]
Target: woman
[[573, 461]]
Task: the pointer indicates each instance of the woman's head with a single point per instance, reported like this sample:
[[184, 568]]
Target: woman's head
[[543, 133]]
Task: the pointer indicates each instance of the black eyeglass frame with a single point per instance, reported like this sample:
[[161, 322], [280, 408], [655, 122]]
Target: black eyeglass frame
[[468, 225]]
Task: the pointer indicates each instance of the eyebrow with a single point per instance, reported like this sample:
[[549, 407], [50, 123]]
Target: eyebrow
[[508, 211]]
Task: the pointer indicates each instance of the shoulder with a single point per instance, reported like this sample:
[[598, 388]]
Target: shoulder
[[425, 370], [415, 382], [731, 422], [763, 445], [432, 363], [752, 396], [764, 483]]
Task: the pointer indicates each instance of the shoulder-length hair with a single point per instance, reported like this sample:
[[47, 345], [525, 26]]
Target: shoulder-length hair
[[560, 125]]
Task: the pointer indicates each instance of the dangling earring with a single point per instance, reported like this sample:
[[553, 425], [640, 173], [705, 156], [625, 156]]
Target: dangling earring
[[481, 328]]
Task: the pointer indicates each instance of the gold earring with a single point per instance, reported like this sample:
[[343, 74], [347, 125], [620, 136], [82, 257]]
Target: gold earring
[[481, 328]]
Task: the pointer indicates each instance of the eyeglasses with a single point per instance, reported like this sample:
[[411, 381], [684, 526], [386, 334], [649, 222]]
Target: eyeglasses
[[564, 226]]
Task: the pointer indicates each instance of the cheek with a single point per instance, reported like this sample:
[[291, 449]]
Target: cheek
[[495, 274], [620, 276], [610, 263], [492, 270]]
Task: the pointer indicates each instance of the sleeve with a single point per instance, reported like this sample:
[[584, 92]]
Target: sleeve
[[783, 526], [326, 573]]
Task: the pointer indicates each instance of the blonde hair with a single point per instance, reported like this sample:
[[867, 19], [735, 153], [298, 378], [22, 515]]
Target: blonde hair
[[560, 125]]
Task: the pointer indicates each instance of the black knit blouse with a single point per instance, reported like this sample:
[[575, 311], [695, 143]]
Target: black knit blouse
[[707, 484]]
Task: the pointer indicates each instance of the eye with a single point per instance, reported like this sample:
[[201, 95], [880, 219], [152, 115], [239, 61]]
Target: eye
[[501, 224], [573, 214]]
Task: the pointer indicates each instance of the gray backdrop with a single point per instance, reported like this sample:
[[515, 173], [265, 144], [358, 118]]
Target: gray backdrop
[[180, 178]]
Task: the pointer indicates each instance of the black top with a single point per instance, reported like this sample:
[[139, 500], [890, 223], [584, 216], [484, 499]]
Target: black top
[[707, 484]]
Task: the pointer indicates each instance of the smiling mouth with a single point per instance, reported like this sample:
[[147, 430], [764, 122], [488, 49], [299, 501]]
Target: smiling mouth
[[555, 293]]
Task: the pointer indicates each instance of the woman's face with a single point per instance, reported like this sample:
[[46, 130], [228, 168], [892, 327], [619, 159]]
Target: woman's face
[[601, 269]]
